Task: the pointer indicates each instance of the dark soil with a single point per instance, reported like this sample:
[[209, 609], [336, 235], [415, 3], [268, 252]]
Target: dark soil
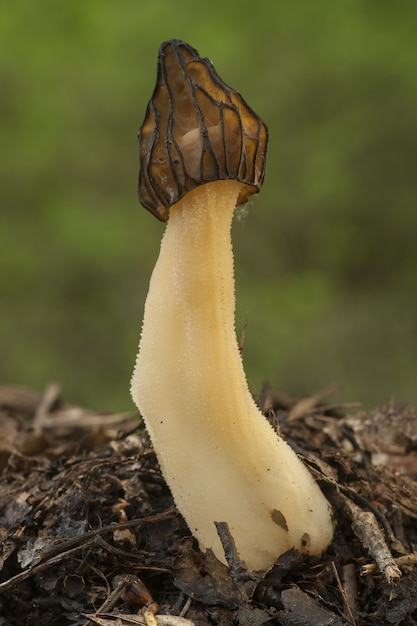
[[90, 533]]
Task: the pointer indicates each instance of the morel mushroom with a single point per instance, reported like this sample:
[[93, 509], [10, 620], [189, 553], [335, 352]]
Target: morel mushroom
[[202, 152]]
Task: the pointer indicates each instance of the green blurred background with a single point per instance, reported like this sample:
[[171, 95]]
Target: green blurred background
[[326, 260]]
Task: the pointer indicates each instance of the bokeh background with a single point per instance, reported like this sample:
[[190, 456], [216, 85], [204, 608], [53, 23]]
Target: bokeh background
[[326, 260]]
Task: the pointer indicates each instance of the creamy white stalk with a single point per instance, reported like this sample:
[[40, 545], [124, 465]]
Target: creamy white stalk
[[220, 457]]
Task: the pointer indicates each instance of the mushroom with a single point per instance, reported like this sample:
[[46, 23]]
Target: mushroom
[[202, 152]]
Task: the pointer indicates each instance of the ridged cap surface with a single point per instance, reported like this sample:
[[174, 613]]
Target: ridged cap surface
[[196, 130]]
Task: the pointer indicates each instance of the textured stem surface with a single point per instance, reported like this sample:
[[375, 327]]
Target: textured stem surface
[[222, 460]]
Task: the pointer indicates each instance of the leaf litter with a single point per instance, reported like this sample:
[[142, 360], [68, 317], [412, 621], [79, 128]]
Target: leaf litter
[[90, 533]]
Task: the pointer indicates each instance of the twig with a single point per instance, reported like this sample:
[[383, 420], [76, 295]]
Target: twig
[[306, 405], [366, 528], [408, 560], [67, 548], [103, 619], [343, 594], [350, 586], [49, 398], [238, 569]]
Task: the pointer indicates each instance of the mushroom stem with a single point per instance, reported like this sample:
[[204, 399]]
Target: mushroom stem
[[221, 458]]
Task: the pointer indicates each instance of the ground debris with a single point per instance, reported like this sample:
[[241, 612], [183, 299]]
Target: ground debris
[[303, 610], [90, 534]]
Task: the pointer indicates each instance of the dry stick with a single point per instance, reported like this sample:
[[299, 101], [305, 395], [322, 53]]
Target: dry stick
[[49, 398], [238, 570], [408, 560], [306, 405], [106, 529], [343, 594], [109, 602], [350, 586], [364, 503], [366, 528], [335, 406], [185, 608], [131, 589], [113, 549], [39, 567], [103, 619], [69, 547]]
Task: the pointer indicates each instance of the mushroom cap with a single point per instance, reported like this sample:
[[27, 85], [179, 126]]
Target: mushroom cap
[[196, 130]]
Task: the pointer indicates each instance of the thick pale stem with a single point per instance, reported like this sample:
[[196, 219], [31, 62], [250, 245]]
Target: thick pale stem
[[220, 457]]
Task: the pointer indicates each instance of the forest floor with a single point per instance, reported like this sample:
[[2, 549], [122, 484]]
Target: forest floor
[[91, 536]]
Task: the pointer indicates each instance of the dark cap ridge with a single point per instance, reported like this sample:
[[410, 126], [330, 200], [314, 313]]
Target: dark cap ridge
[[196, 130]]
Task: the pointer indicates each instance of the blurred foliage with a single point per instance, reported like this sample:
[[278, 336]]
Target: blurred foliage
[[326, 261]]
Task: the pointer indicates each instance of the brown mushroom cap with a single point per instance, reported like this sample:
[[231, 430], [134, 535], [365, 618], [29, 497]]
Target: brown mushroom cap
[[196, 130]]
